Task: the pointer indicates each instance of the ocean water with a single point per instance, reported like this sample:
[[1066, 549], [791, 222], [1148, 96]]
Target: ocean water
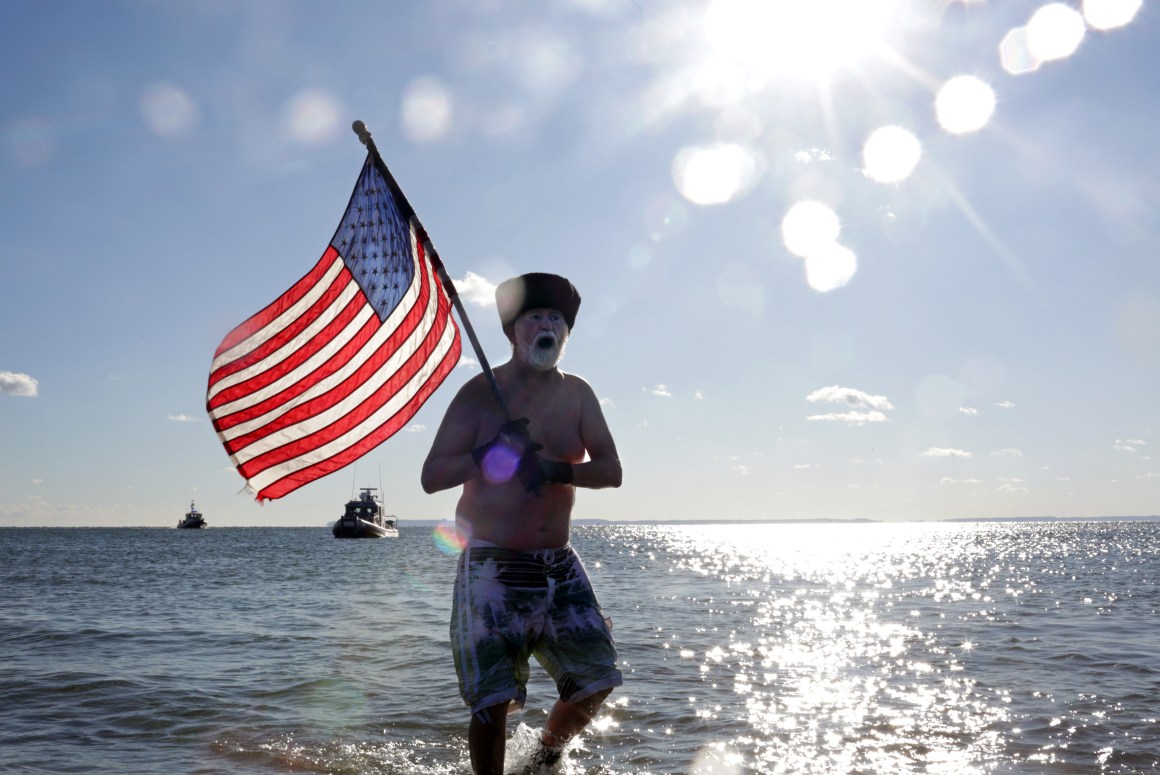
[[1028, 647]]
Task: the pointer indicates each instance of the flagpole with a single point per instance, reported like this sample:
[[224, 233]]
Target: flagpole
[[364, 136]]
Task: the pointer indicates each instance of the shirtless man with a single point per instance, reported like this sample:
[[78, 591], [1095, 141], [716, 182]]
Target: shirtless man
[[520, 589]]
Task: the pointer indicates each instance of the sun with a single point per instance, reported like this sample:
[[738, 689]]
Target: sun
[[810, 39]]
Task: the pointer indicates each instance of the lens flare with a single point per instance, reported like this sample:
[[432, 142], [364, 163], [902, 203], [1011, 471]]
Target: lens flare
[[964, 104], [1110, 14], [830, 268], [312, 117], [809, 227], [1015, 53], [714, 175], [1055, 32], [891, 153], [30, 142], [499, 464], [448, 538], [427, 110], [168, 111]]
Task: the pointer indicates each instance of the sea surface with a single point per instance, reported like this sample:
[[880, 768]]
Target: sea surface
[[1028, 647]]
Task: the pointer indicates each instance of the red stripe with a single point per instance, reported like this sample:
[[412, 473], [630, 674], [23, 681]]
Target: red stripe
[[380, 397], [260, 320], [304, 476]]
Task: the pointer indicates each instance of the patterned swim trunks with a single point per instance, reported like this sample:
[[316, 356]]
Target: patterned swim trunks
[[510, 605]]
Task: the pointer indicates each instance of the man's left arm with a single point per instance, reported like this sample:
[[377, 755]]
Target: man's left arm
[[602, 469]]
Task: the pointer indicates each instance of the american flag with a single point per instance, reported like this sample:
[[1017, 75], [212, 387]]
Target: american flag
[[342, 360]]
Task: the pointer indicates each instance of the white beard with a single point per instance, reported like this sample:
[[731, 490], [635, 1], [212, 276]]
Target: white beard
[[545, 358]]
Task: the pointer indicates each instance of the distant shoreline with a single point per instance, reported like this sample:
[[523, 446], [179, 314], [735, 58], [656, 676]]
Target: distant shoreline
[[658, 522]]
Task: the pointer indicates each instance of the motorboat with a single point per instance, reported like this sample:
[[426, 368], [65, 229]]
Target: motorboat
[[193, 519], [364, 518]]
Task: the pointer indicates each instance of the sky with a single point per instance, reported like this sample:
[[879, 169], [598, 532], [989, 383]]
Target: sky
[[845, 259]]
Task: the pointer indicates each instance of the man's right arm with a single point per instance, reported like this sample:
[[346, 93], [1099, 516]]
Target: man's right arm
[[449, 463]]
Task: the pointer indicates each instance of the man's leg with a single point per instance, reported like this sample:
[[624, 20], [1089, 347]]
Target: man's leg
[[486, 738], [568, 719]]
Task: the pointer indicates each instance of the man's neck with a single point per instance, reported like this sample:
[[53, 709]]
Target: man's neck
[[528, 374]]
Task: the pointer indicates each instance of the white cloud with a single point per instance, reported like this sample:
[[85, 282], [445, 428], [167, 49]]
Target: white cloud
[[661, 390], [1008, 452], [945, 452], [1128, 445], [950, 480], [850, 397], [852, 418], [182, 418], [1011, 485], [476, 290], [608, 402], [415, 428], [741, 470], [15, 384], [698, 395], [1006, 404], [467, 362], [969, 411], [813, 154]]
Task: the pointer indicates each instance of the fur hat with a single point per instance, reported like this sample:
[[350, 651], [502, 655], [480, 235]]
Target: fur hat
[[536, 290]]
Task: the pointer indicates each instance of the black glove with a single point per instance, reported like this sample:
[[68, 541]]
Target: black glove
[[512, 434], [499, 458], [534, 472]]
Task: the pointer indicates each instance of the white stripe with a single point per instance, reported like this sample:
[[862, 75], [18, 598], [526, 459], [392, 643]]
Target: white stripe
[[287, 318], [466, 652]]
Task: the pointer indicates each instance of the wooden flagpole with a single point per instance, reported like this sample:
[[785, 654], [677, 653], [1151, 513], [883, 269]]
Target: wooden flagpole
[[364, 136]]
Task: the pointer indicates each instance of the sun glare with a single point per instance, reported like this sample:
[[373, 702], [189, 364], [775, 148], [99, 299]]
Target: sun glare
[[808, 39]]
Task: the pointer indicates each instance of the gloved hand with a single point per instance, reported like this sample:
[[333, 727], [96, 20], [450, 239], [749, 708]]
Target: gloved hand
[[534, 472], [512, 434], [499, 458]]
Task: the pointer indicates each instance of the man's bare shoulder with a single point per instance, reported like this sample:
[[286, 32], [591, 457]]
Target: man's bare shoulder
[[474, 387], [577, 384]]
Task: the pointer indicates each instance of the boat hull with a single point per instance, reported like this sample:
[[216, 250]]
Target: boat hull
[[360, 528]]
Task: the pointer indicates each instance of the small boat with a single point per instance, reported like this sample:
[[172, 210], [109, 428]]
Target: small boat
[[193, 520], [364, 518]]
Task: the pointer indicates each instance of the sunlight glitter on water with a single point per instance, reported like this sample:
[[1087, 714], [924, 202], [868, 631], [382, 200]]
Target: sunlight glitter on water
[[830, 679]]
